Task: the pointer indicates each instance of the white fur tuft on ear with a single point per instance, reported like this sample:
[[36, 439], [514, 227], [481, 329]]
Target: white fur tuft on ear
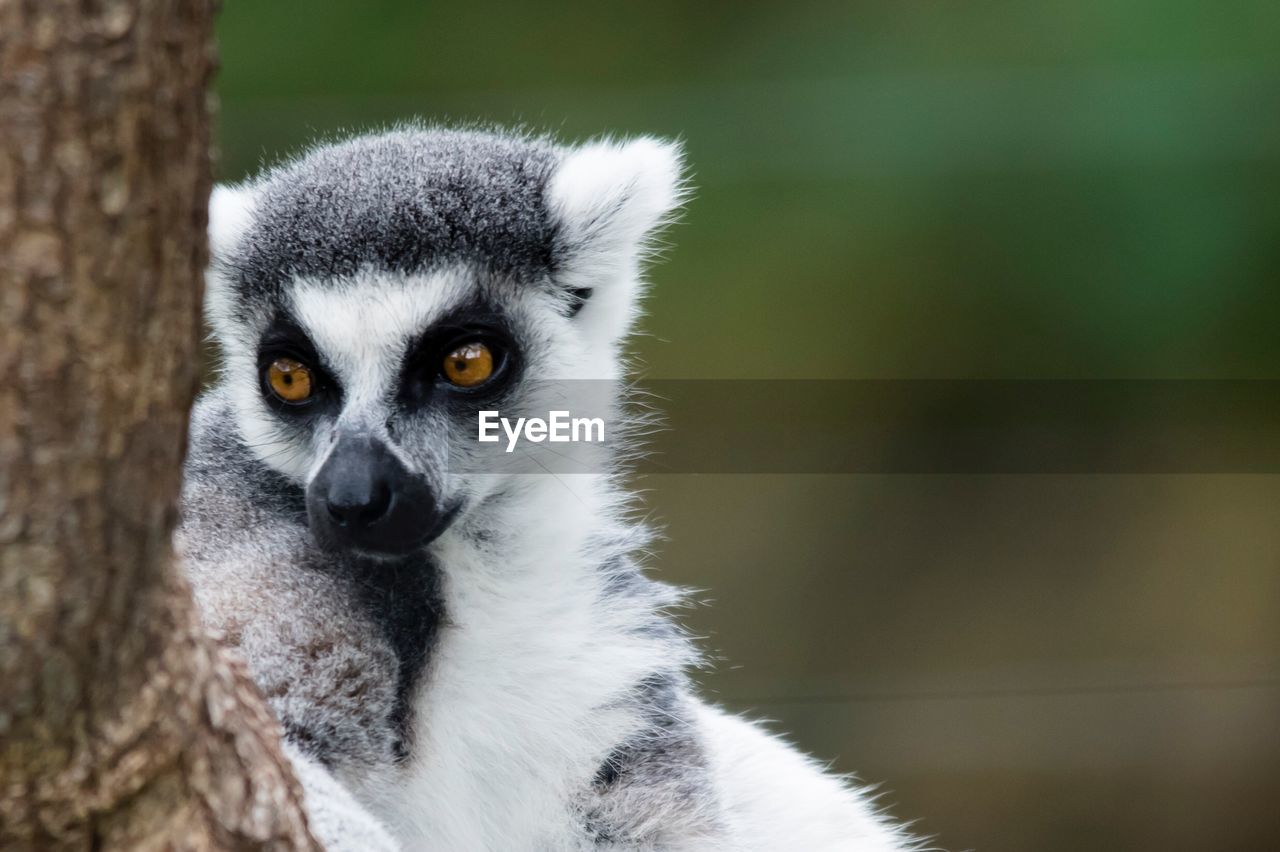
[[608, 199], [230, 212]]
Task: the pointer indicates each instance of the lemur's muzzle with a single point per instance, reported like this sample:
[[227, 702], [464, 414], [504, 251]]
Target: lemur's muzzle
[[364, 499]]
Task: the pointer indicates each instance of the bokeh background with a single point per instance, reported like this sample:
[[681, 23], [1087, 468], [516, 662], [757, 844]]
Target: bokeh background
[[896, 190]]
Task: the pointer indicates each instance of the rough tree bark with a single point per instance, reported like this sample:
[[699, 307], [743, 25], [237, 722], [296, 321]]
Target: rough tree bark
[[121, 724]]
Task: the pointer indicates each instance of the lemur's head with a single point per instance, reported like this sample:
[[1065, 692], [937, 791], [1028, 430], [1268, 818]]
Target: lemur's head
[[372, 296]]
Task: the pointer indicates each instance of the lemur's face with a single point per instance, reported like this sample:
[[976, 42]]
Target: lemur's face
[[368, 391], [374, 296]]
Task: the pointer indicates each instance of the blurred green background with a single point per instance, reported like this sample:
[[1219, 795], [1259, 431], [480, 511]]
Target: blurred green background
[[921, 190]]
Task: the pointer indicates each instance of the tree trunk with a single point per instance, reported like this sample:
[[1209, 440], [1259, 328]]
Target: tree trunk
[[122, 726]]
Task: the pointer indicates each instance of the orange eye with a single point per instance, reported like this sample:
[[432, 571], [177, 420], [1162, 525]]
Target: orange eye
[[290, 380], [469, 365]]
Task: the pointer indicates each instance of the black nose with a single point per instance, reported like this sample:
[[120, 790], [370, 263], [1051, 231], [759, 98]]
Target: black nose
[[356, 484], [358, 502], [364, 498]]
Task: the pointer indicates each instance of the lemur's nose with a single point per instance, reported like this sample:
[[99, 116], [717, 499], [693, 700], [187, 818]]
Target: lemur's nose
[[363, 498], [356, 483], [358, 503]]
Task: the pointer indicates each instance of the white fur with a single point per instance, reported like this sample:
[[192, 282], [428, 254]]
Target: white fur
[[230, 212], [517, 709], [364, 326], [516, 712], [610, 198], [334, 817], [776, 798]]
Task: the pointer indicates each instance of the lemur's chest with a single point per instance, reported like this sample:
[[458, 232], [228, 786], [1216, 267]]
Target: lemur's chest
[[545, 719], [542, 764]]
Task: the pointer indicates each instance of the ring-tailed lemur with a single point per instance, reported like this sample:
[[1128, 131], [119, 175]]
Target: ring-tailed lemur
[[477, 659]]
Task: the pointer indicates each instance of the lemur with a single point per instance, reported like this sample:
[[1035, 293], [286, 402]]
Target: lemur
[[460, 660]]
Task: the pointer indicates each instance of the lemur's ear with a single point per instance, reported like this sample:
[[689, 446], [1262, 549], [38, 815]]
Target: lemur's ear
[[230, 212], [608, 200]]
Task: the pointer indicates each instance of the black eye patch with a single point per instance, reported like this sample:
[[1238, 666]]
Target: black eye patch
[[285, 334], [285, 339], [421, 378]]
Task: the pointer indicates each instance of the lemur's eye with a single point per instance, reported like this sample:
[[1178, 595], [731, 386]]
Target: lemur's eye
[[468, 365], [290, 380]]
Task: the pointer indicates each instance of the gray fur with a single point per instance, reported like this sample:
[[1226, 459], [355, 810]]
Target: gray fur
[[655, 787], [330, 679], [402, 201]]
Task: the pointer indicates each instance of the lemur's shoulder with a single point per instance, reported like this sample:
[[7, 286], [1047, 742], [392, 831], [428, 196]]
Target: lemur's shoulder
[[656, 789], [698, 778]]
